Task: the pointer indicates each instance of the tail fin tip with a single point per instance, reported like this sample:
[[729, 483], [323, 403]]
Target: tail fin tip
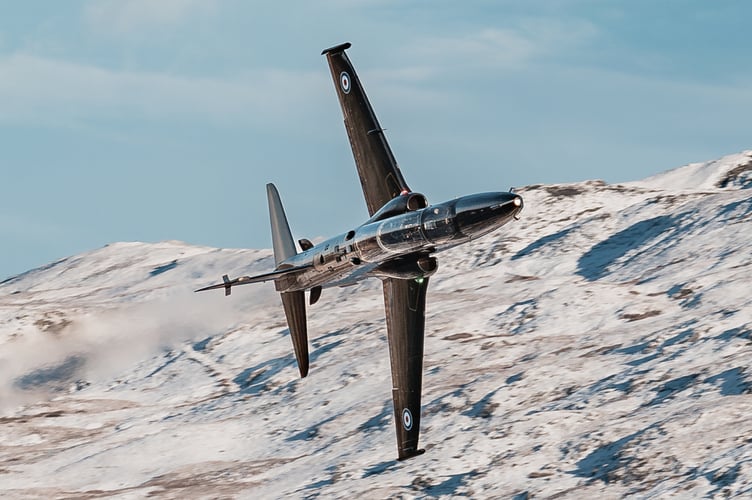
[[337, 48]]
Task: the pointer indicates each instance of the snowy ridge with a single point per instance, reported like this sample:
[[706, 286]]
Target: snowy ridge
[[733, 171], [598, 346]]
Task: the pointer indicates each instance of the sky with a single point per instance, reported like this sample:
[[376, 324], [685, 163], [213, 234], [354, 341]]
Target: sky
[[142, 120]]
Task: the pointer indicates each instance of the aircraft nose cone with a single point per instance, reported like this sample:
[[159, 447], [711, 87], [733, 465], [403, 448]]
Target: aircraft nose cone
[[481, 213], [518, 205]]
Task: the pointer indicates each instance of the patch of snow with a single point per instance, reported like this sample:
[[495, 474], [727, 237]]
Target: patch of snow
[[600, 346], [728, 172]]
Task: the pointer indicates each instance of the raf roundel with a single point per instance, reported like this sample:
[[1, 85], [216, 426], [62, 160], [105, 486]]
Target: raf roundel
[[344, 82], [407, 419]]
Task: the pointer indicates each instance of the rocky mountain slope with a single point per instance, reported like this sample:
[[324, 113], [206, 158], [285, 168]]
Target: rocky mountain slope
[[598, 346]]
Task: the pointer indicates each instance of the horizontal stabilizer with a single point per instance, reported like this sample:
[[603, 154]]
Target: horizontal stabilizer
[[294, 304], [227, 283]]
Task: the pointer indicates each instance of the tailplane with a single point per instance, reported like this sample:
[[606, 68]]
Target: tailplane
[[293, 302], [227, 283]]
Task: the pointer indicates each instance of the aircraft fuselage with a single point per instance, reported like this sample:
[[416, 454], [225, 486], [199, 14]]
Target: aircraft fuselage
[[399, 246]]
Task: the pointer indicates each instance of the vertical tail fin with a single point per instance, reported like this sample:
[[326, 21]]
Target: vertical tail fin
[[283, 244], [293, 302]]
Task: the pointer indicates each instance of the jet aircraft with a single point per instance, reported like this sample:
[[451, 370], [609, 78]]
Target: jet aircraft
[[396, 244]]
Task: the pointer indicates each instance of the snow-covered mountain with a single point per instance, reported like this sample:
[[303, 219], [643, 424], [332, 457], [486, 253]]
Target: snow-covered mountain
[[598, 346]]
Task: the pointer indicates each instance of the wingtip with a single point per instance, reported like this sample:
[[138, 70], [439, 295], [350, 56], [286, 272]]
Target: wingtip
[[337, 48], [303, 366], [410, 454]]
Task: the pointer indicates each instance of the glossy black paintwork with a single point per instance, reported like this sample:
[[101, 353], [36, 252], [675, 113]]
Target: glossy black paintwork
[[380, 176], [294, 305], [405, 305]]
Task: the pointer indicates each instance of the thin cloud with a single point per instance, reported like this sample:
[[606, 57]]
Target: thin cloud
[[529, 40], [50, 91], [12, 225], [123, 17]]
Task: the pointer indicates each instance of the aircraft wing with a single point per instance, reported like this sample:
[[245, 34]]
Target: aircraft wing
[[405, 302], [379, 174]]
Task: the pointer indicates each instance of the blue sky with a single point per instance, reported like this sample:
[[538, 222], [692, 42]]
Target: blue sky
[[142, 120]]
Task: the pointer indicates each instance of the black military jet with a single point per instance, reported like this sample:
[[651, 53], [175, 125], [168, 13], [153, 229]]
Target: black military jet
[[397, 244]]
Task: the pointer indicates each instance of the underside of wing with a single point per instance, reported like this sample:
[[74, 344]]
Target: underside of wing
[[405, 303], [379, 174]]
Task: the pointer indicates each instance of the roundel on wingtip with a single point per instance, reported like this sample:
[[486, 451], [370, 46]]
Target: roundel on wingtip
[[407, 419], [344, 82]]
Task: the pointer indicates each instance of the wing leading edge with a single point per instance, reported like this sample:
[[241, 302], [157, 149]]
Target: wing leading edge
[[379, 173], [405, 304]]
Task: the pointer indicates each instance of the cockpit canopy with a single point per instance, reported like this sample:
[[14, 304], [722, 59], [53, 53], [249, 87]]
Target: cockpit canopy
[[403, 203]]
